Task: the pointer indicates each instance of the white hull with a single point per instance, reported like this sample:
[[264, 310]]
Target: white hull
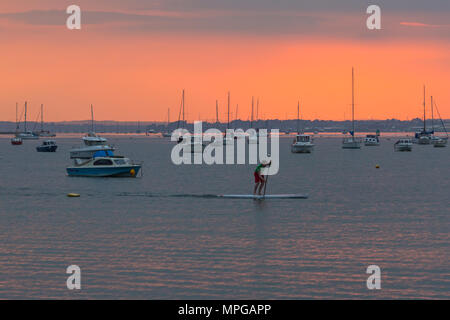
[[351, 144], [88, 152], [27, 136], [403, 145], [403, 148], [440, 144], [302, 148]]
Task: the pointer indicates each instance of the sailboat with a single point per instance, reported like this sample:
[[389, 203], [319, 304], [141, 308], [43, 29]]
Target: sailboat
[[16, 141], [167, 134], [26, 135], [424, 136], [44, 133], [302, 142], [195, 146], [439, 141], [252, 138], [352, 142], [228, 138], [92, 139]]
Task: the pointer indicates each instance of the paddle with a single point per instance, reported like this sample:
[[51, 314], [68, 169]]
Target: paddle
[[265, 186], [267, 180]]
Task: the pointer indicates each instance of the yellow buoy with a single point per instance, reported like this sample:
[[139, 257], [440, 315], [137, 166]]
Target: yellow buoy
[[377, 166], [132, 172], [73, 195]]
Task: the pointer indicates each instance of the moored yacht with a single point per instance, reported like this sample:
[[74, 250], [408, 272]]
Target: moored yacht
[[425, 136], [403, 145], [440, 143], [25, 135], [47, 146], [372, 140], [352, 142], [87, 152], [92, 139], [28, 135], [104, 166], [302, 144], [16, 141]]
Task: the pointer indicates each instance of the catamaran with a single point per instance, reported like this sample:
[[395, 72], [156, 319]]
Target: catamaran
[[352, 142], [302, 142]]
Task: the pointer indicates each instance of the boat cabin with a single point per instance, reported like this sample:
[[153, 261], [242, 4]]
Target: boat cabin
[[49, 143], [302, 138]]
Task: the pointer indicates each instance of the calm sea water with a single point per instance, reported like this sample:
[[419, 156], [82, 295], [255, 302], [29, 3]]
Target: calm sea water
[[145, 238]]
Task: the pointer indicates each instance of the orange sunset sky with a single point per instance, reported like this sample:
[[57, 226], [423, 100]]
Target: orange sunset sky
[[131, 59]]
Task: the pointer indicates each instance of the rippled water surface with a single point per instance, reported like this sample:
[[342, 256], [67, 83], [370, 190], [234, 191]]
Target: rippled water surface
[[145, 238]]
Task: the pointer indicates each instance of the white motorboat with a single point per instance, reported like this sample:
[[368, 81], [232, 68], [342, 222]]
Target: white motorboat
[[371, 140], [352, 142], [403, 145], [92, 139], [106, 166], [302, 144], [88, 152], [440, 143]]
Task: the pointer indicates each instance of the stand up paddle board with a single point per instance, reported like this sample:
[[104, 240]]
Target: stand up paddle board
[[267, 196]]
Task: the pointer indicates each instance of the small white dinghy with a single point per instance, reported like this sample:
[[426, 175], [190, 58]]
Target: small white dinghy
[[267, 196]]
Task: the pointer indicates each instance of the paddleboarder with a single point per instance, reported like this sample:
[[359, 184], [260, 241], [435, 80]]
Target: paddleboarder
[[260, 180]]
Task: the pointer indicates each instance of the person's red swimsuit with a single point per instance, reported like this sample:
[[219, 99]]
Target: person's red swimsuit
[[257, 178]]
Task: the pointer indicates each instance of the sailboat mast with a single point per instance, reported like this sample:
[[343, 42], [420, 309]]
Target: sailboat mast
[[168, 116], [353, 102], [217, 111], [237, 108], [424, 111], [228, 121], [183, 105], [42, 117], [298, 117], [25, 120], [257, 109], [251, 120], [92, 118], [17, 120], [432, 115]]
